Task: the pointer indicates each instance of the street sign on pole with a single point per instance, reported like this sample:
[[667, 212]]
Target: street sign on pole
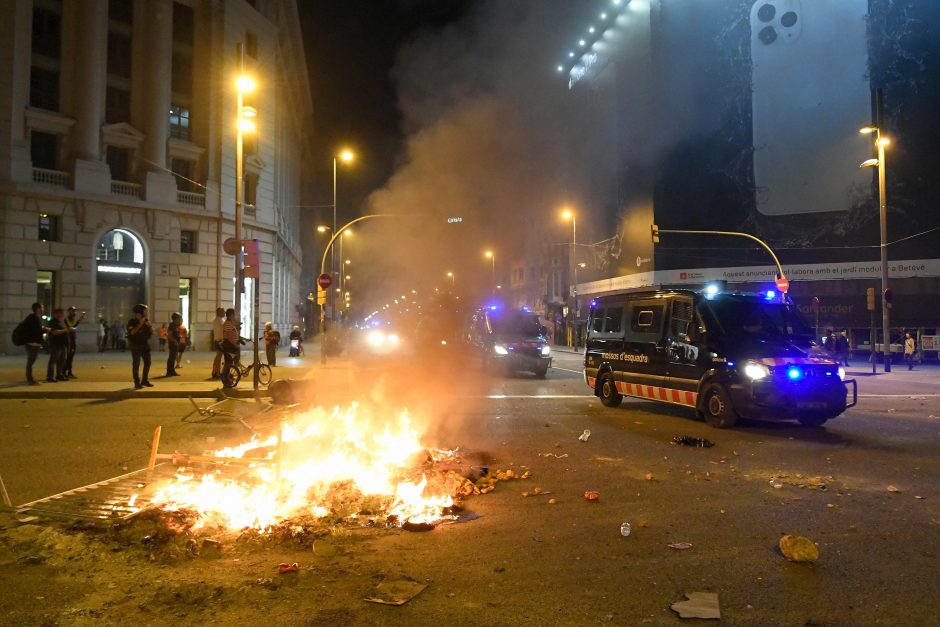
[[325, 281], [783, 284]]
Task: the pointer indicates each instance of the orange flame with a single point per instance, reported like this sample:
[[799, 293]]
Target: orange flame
[[321, 451]]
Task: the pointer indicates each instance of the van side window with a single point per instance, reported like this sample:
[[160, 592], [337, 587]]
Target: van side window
[[614, 320], [597, 320], [646, 322], [683, 313]]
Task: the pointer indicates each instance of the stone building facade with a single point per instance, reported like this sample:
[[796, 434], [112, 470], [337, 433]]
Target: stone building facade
[[117, 158]]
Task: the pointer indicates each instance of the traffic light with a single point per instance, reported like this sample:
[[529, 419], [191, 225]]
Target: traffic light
[[871, 299], [654, 233], [321, 296], [252, 261]]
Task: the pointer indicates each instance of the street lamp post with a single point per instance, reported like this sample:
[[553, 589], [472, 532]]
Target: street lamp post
[[879, 162], [492, 257], [568, 214], [346, 156], [243, 123]]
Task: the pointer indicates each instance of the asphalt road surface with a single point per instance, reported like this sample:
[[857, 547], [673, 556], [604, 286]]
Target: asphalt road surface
[[864, 488]]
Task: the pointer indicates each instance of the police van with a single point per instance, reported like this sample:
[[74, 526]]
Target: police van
[[727, 355]]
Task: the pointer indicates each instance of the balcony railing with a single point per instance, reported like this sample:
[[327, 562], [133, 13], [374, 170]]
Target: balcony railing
[[51, 177], [191, 199], [125, 188]]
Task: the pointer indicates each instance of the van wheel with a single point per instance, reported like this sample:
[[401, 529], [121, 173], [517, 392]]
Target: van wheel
[[813, 420], [541, 371], [610, 397], [718, 410]]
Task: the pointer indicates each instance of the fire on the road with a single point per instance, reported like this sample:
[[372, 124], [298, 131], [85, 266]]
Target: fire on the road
[[347, 449]]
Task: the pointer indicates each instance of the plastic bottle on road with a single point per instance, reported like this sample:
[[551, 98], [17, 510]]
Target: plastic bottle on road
[[625, 529]]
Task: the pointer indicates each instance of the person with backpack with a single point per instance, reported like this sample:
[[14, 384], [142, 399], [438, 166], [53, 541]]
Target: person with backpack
[[184, 342], [139, 331], [58, 342], [28, 334], [173, 344]]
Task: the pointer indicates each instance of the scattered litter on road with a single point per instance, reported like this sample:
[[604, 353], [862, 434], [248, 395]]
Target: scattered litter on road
[[591, 495], [625, 529], [681, 546], [891, 411], [648, 476], [552, 502], [284, 568], [687, 440], [798, 549], [919, 497], [892, 488], [536, 492], [396, 592], [555, 455], [698, 605], [585, 436]]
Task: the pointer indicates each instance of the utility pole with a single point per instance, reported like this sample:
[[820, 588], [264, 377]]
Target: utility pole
[[883, 215]]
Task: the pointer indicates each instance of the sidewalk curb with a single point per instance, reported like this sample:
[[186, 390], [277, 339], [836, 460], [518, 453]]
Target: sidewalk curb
[[124, 394]]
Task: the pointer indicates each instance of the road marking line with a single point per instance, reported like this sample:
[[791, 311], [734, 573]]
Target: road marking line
[[914, 397], [567, 370], [550, 396]]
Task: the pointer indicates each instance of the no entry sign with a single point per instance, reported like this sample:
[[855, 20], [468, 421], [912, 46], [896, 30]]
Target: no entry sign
[[783, 284], [324, 281]]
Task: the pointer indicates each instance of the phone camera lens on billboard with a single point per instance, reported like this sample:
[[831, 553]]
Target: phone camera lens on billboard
[[788, 19], [768, 35], [766, 12]]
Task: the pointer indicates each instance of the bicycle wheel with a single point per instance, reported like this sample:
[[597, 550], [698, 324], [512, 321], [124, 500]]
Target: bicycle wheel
[[231, 375], [264, 374]]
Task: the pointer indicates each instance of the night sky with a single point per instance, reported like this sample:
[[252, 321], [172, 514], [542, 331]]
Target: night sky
[[351, 50]]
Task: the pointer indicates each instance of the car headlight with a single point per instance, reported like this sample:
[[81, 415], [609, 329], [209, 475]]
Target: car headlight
[[546, 350], [499, 349], [375, 338], [392, 339], [842, 373], [756, 371]]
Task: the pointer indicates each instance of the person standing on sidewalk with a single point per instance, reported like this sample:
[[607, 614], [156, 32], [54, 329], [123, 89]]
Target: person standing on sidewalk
[[231, 340], [271, 339], [842, 348], [102, 335], [30, 331], [184, 342], [72, 321], [217, 337], [58, 340], [173, 344], [139, 331], [909, 348]]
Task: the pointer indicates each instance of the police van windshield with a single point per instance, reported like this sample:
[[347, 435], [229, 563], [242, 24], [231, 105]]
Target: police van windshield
[[516, 323], [755, 317]]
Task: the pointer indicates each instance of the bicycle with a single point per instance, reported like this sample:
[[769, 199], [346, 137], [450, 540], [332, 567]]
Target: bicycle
[[234, 372]]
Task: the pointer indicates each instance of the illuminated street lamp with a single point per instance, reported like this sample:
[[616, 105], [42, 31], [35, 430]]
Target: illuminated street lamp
[[880, 143], [244, 123], [492, 257], [453, 279], [346, 156]]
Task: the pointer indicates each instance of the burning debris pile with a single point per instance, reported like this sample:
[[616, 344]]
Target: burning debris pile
[[348, 464]]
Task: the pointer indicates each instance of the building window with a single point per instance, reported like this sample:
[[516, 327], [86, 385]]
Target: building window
[[119, 161], [117, 107], [179, 122], [119, 54], [183, 169], [182, 80], [182, 24], [250, 191], [44, 89], [47, 38], [187, 241], [121, 11], [48, 228], [45, 289], [251, 45], [44, 150]]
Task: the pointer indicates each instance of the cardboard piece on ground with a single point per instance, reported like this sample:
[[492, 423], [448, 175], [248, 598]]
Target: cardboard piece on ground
[[396, 592], [699, 605]]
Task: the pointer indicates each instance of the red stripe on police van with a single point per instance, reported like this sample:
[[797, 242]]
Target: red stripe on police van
[[669, 395]]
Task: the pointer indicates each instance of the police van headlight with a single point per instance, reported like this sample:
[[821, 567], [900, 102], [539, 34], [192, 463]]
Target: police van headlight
[[756, 371], [546, 350], [841, 373], [499, 349]]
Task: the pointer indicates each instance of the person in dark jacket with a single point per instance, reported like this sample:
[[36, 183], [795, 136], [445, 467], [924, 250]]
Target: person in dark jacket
[[139, 331], [32, 329], [58, 341], [173, 344], [72, 320]]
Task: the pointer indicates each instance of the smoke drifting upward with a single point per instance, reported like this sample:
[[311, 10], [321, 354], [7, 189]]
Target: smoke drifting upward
[[483, 110]]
